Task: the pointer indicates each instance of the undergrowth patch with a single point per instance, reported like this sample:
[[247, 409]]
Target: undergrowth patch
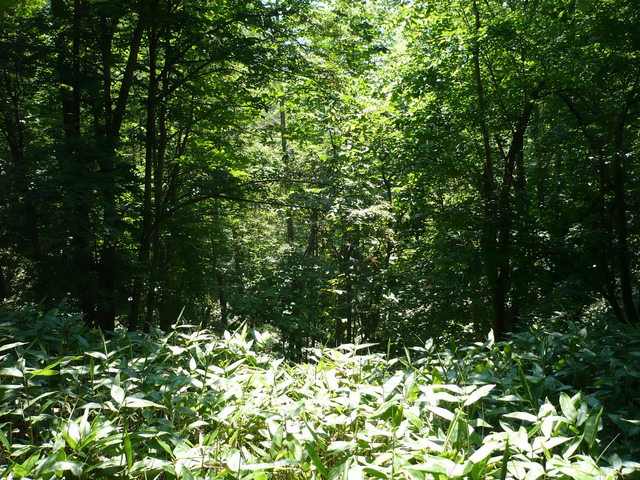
[[194, 405]]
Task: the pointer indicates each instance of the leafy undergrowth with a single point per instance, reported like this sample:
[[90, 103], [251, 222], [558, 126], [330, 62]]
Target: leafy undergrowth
[[193, 405]]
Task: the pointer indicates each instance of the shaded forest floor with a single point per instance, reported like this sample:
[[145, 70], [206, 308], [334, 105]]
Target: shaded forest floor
[[191, 404]]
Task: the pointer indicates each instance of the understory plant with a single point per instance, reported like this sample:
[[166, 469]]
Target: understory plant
[[75, 403]]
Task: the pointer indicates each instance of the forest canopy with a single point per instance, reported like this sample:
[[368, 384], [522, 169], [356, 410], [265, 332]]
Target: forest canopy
[[341, 171]]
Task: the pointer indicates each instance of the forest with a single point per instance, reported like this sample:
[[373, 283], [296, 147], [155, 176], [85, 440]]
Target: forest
[[320, 239]]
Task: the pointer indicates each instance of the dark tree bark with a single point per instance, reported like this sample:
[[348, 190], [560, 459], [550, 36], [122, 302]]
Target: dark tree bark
[[147, 207], [4, 288], [620, 220], [505, 322], [159, 202], [627, 311], [604, 246], [488, 191], [108, 261], [12, 126], [74, 161]]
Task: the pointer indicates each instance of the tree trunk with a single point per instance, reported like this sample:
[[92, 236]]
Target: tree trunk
[[13, 128], [222, 299], [159, 202], [75, 162], [605, 247], [489, 224], [504, 321], [147, 207], [107, 264], [620, 222], [4, 289]]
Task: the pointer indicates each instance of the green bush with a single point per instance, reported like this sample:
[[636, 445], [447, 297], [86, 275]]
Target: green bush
[[191, 404]]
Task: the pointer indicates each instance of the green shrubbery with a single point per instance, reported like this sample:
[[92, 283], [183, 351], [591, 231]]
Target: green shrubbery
[[193, 405]]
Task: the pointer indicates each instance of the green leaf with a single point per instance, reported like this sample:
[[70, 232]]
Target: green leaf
[[591, 427], [478, 394], [483, 452], [3, 438], [127, 451], [527, 417], [505, 462], [135, 402], [45, 372], [11, 345], [315, 458], [75, 468], [576, 473], [441, 412], [433, 464], [340, 471], [186, 474], [376, 471], [568, 408], [117, 393]]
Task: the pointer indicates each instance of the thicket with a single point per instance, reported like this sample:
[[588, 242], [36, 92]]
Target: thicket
[[328, 173], [342, 171], [195, 405]]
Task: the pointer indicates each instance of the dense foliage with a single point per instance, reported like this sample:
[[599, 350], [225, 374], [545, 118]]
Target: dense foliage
[[341, 171], [331, 173], [191, 404]]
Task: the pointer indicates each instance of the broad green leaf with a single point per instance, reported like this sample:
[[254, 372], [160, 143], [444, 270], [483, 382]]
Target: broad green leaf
[[75, 468], [478, 394], [45, 372], [11, 345], [117, 393], [315, 458], [433, 464], [568, 408], [185, 474], [535, 471], [135, 402], [376, 471], [484, 451], [441, 412], [527, 417], [591, 427]]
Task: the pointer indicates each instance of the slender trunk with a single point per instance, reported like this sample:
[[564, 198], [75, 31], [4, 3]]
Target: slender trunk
[[343, 310], [4, 289], [158, 202], [13, 128], [151, 303], [620, 222], [370, 326], [147, 207], [75, 162], [603, 244], [312, 244], [107, 265], [345, 319], [519, 282], [222, 300], [505, 321], [489, 224], [285, 158]]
